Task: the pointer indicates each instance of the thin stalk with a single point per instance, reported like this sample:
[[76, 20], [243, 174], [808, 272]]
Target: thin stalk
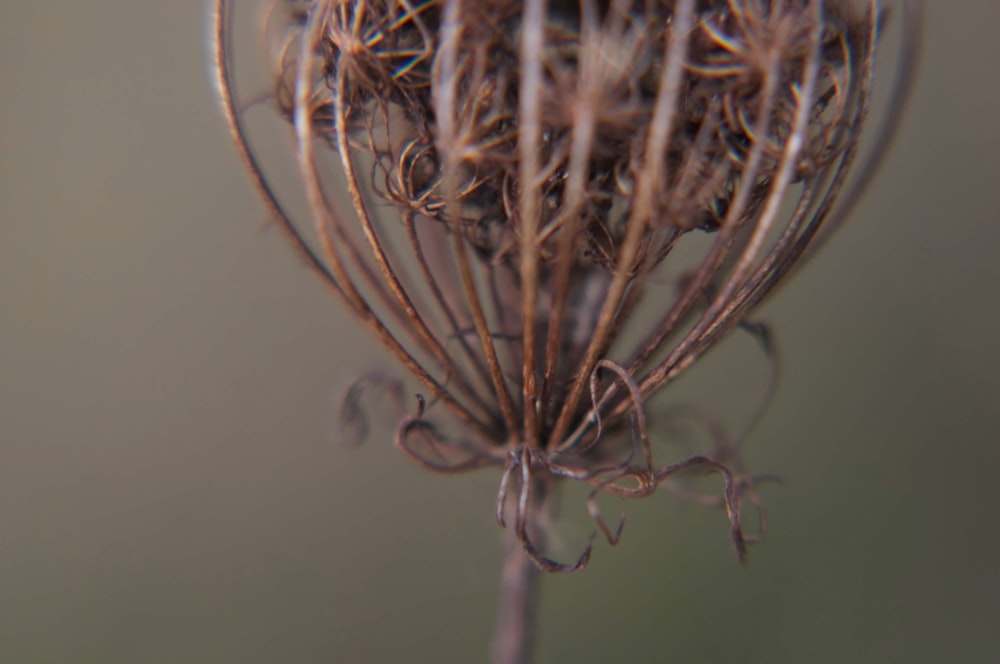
[[518, 591], [532, 45]]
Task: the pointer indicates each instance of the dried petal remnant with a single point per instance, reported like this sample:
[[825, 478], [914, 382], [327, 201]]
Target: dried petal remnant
[[518, 172]]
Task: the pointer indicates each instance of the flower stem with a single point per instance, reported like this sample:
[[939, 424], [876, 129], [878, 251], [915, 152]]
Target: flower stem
[[517, 596]]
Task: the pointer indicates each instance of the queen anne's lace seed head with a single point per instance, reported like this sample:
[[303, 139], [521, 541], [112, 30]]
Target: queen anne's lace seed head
[[521, 177]]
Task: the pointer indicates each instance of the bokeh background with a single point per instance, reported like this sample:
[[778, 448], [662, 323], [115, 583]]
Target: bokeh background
[[171, 488]]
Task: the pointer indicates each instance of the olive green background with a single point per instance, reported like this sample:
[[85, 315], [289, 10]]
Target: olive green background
[[171, 491]]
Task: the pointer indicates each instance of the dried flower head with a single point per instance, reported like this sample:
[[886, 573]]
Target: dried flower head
[[517, 183]]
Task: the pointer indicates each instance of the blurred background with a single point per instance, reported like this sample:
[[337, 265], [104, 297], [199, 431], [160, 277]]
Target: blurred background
[[171, 488]]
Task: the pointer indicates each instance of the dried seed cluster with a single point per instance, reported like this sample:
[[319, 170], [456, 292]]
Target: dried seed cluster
[[517, 171]]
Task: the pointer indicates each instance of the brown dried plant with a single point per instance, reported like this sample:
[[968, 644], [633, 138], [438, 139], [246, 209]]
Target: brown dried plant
[[517, 182]]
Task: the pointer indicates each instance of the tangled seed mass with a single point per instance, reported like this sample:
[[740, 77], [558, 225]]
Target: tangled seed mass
[[601, 65]]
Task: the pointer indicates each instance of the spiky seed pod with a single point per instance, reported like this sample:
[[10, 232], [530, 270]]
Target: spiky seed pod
[[515, 174]]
